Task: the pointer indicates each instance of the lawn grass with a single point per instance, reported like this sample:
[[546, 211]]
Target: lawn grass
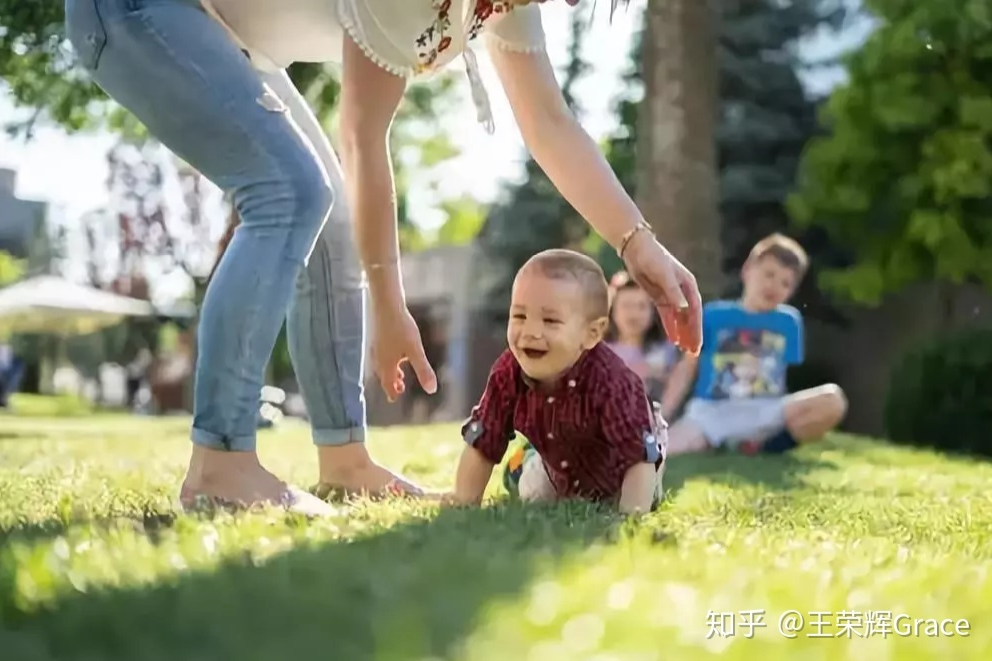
[[96, 564]]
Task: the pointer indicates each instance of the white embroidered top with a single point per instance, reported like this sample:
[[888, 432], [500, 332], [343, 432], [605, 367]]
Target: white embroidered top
[[409, 38]]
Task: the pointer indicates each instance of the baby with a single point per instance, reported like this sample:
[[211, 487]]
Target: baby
[[591, 431]]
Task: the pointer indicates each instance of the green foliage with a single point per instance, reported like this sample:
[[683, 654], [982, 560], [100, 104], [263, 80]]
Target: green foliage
[[11, 268], [465, 219], [904, 180], [940, 394], [36, 66], [766, 120]]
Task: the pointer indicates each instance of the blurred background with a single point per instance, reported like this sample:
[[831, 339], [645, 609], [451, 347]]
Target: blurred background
[[863, 129]]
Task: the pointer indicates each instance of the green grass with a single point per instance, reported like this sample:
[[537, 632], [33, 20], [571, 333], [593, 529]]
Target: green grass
[[95, 563], [38, 406]]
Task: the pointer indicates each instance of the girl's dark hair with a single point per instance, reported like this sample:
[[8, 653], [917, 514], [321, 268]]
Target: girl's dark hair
[[621, 281]]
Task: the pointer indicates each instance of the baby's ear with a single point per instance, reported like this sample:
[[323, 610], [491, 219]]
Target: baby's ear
[[597, 331]]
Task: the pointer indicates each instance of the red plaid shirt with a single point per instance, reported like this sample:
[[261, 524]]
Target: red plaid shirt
[[589, 430]]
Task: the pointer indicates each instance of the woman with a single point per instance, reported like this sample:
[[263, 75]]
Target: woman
[[208, 82], [633, 334]]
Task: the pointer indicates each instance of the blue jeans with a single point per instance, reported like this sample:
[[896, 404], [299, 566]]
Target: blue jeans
[[251, 133]]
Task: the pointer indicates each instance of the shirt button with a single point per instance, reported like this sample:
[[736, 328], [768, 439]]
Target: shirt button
[[564, 464], [575, 484], [550, 435], [571, 383], [551, 400]]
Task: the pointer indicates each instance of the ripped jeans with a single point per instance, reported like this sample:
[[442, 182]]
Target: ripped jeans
[[293, 257]]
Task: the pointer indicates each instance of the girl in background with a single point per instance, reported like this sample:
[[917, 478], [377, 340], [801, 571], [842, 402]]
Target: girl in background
[[635, 334]]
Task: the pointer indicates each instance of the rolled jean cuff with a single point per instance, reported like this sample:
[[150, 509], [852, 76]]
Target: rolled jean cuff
[[209, 439], [338, 436]]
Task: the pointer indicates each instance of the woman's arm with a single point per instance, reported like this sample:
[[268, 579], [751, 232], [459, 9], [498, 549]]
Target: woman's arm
[[370, 97], [560, 145]]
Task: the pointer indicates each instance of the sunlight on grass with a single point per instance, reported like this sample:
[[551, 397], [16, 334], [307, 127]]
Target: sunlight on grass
[[95, 561]]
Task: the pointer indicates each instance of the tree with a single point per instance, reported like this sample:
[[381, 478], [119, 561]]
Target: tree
[[677, 178], [532, 215], [903, 180], [766, 119]]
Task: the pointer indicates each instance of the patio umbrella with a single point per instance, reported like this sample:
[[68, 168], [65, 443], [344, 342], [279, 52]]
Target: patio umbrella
[[53, 305]]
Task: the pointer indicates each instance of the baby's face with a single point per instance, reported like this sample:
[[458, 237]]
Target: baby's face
[[549, 326]]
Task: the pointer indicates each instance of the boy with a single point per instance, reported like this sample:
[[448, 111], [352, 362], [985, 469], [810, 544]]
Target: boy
[[591, 431], [740, 395]]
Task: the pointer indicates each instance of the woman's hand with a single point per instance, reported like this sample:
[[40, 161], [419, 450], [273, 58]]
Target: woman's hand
[[396, 340], [672, 288]]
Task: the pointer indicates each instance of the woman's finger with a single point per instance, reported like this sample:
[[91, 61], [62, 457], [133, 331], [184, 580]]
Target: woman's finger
[[692, 324], [670, 323], [422, 367], [387, 378], [672, 288], [388, 387]]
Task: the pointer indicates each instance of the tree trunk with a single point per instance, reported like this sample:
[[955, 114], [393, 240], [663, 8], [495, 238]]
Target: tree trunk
[[677, 179]]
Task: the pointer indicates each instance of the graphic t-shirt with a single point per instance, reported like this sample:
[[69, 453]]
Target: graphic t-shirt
[[745, 354]]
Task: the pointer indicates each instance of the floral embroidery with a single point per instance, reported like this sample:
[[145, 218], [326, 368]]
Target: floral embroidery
[[434, 40]]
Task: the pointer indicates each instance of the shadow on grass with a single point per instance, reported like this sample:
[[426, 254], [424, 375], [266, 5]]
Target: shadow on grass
[[150, 523], [410, 592], [779, 472]]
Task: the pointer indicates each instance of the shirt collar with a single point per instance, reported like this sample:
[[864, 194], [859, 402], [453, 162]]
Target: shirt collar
[[569, 380]]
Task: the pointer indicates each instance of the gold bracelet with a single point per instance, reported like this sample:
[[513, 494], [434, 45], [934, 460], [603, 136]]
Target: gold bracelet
[[629, 234], [382, 265]]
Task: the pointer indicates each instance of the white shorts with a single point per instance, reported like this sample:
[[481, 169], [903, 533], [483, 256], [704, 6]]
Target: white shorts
[[733, 420]]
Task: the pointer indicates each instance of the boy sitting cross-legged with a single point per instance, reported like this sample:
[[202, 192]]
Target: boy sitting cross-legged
[[740, 396], [591, 431]]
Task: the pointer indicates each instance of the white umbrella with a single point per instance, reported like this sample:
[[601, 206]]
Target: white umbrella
[[48, 304]]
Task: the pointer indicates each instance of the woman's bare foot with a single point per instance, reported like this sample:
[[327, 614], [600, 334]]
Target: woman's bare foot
[[237, 480], [348, 470]]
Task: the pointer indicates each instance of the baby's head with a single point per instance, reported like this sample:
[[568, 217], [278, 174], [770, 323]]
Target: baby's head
[[558, 310], [772, 272]]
